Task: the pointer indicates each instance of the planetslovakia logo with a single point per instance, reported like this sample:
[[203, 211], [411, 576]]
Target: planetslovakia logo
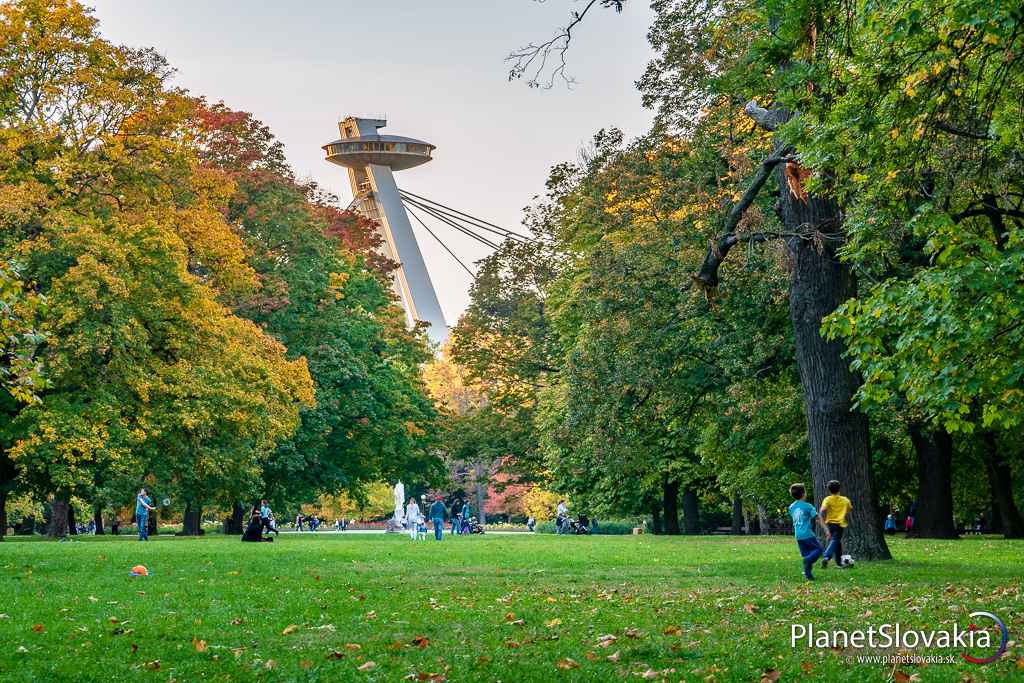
[[1002, 643], [887, 636]]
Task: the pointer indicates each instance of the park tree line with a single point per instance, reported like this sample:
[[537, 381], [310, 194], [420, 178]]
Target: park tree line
[[177, 309], [812, 266]]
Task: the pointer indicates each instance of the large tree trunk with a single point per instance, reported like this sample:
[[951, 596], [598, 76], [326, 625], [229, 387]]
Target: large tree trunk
[[737, 514], [59, 510], [72, 520], [670, 504], [3, 513], [97, 518], [691, 512], [838, 435], [192, 520], [934, 448], [234, 524], [1001, 484]]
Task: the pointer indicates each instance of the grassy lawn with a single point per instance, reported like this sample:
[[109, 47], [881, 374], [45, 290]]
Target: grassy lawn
[[498, 607]]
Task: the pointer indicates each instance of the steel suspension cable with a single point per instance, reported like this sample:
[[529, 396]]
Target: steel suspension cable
[[445, 246], [480, 223], [448, 221]]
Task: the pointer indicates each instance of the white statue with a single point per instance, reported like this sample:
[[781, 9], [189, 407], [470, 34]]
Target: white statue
[[399, 503]]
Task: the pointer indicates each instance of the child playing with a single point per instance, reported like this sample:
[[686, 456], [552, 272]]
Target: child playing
[[803, 513], [421, 529], [834, 511]]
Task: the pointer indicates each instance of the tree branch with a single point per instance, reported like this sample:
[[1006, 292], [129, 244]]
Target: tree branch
[[953, 130], [769, 119], [533, 58], [707, 276]]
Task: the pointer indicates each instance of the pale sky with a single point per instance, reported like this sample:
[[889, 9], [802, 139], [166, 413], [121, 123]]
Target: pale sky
[[435, 68]]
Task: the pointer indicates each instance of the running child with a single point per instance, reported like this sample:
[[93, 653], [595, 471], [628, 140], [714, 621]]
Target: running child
[[803, 514], [835, 510]]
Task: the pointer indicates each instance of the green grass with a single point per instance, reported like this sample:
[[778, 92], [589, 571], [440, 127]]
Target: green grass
[[707, 608]]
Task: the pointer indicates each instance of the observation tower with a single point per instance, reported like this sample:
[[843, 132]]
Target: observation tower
[[371, 159]]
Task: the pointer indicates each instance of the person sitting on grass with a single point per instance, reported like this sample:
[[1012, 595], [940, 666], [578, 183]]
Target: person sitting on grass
[[835, 510], [254, 530], [802, 513]]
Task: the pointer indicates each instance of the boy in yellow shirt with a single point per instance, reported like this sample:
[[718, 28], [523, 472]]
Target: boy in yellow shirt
[[835, 510]]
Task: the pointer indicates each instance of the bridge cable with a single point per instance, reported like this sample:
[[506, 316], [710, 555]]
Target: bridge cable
[[480, 223], [445, 246], [449, 221]]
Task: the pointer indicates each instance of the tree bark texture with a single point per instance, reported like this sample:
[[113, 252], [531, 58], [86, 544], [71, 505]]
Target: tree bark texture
[[191, 520], [838, 435], [59, 511], [1001, 483], [934, 448], [670, 504], [737, 515], [97, 518], [691, 512]]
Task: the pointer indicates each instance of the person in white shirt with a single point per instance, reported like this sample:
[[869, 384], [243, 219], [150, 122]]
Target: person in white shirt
[[561, 517], [412, 517]]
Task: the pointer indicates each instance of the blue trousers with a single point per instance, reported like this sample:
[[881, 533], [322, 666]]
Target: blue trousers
[[143, 522], [835, 546], [438, 527], [810, 550]]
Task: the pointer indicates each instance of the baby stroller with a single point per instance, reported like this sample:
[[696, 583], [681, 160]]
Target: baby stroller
[[475, 527], [581, 526]]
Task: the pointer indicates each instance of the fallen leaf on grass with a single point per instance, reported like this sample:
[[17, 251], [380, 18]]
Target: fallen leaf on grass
[[672, 631], [551, 599], [511, 644], [517, 622], [614, 657], [334, 654], [552, 623], [93, 598], [430, 676], [368, 666], [154, 665], [901, 677], [806, 667], [770, 676], [750, 608], [120, 631], [510, 616], [353, 646], [633, 632], [290, 628], [237, 651], [568, 663], [305, 663], [38, 628], [606, 640], [396, 645], [649, 674], [199, 645], [135, 648], [592, 656], [236, 622], [269, 664], [371, 614], [421, 641], [483, 659]]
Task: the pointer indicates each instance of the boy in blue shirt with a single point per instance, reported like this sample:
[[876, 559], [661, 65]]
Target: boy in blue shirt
[[143, 504], [804, 514]]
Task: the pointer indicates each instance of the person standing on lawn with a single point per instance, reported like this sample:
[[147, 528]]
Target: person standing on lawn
[[437, 514], [265, 523], [143, 504], [835, 510], [412, 517], [803, 513]]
